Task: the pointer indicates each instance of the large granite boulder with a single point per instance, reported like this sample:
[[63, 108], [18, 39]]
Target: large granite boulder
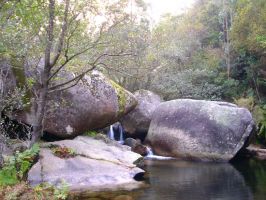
[[137, 122], [97, 165], [200, 130], [94, 103]]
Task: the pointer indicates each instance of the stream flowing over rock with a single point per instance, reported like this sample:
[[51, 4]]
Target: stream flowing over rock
[[137, 122], [98, 165], [199, 130]]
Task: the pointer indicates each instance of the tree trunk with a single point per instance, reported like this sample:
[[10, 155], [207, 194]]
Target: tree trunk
[[42, 92], [39, 114]]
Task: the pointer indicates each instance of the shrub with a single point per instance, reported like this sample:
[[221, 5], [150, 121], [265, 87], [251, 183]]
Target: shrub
[[17, 166]]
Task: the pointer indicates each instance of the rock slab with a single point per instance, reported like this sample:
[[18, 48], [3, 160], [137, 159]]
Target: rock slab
[[199, 130], [97, 166]]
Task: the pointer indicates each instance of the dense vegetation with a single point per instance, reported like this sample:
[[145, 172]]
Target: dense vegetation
[[216, 50]]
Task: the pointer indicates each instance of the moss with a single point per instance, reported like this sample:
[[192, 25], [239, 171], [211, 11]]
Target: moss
[[121, 95], [21, 80], [18, 71], [90, 133]]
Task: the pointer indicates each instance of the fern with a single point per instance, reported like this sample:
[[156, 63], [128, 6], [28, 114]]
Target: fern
[[17, 166]]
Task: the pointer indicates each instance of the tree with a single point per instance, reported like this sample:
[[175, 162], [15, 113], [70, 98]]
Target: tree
[[68, 31]]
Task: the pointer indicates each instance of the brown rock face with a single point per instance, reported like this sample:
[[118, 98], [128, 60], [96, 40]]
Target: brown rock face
[[136, 146], [137, 122], [199, 130]]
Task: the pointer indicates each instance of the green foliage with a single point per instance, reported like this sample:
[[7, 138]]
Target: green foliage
[[63, 152], [91, 133], [61, 193], [43, 191], [56, 193], [245, 103], [260, 117], [248, 30], [17, 166]]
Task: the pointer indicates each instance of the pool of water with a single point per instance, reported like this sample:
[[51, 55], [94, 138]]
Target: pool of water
[[181, 180], [172, 180]]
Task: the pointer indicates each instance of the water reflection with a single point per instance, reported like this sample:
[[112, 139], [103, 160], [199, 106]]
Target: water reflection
[[254, 172], [180, 180]]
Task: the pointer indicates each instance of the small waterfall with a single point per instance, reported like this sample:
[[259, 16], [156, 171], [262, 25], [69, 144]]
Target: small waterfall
[[115, 131], [121, 135], [149, 152], [151, 155], [111, 134]]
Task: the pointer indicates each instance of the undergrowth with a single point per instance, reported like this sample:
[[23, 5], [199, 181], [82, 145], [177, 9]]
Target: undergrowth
[[16, 167]]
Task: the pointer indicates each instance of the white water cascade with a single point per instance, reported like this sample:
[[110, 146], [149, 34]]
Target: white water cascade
[[121, 135], [151, 155], [111, 134]]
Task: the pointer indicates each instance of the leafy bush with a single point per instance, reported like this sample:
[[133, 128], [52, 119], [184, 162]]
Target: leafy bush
[[17, 166], [245, 103], [259, 115]]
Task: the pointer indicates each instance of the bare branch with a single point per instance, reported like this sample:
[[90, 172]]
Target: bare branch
[[95, 43], [77, 78]]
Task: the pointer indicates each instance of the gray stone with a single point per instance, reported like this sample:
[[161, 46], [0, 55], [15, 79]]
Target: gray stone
[[94, 103], [137, 122], [96, 166], [201, 130]]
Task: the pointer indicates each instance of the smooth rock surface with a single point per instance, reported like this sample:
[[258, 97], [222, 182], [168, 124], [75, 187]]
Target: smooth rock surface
[[199, 130], [96, 166], [137, 122]]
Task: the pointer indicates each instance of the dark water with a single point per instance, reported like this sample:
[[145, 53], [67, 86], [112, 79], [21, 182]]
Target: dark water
[[180, 180]]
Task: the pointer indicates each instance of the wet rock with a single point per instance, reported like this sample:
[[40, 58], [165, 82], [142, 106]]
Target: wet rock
[[136, 146], [137, 122], [97, 166], [199, 130]]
